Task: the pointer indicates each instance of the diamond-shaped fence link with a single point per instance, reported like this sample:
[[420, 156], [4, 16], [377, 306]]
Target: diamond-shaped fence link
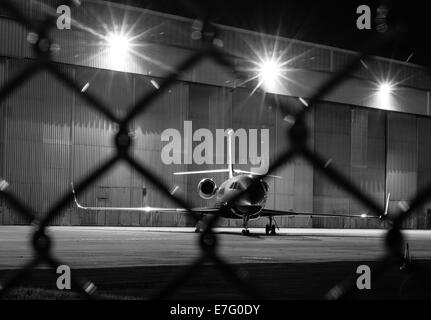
[[296, 138]]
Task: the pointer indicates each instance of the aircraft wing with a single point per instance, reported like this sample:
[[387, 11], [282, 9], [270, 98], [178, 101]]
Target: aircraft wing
[[148, 209], [270, 212], [204, 210]]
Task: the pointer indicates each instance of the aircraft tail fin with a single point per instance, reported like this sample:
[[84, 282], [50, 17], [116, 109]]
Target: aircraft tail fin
[[229, 153], [229, 169]]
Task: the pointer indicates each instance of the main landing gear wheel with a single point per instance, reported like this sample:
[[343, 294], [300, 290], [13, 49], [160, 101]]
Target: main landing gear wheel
[[270, 228], [245, 232]]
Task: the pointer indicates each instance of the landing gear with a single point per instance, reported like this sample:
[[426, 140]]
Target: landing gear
[[245, 231], [270, 228], [198, 224]]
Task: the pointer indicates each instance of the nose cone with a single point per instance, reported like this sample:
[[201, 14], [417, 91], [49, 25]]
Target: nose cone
[[255, 194], [244, 202]]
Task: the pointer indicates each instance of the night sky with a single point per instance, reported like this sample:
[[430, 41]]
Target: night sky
[[327, 22]]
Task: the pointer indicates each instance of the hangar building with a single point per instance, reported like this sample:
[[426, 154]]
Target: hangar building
[[50, 136]]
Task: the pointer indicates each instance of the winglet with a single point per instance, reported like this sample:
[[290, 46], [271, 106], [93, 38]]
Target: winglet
[[74, 197], [385, 213]]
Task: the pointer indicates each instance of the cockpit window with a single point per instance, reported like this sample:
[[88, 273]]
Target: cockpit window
[[236, 186]]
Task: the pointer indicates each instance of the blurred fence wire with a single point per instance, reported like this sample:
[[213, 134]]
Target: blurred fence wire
[[296, 135]]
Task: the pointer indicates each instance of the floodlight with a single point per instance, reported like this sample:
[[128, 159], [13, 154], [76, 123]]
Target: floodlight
[[118, 46], [385, 88], [385, 91], [269, 73]]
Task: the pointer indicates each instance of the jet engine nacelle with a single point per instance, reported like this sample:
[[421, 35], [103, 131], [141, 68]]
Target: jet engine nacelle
[[207, 188]]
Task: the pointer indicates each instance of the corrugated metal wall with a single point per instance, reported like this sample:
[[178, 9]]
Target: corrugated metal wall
[[304, 177], [294, 191], [424, 166], [363, 143], [353, 141], [37, 139], [92, 141], [402, 167], [49, 137], [13, 39], [211, 108], [54, 138], [167, 112], [23, 5], [332, 140], [367, 160], [3, 75]]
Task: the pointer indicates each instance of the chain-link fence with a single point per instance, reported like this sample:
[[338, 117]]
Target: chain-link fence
[[296, 136]]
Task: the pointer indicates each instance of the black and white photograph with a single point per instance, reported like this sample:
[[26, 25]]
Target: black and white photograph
[[226, 152]]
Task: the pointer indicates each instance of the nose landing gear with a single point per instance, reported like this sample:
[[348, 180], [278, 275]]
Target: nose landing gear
[[198, 228], [270, 228], [245, 231]]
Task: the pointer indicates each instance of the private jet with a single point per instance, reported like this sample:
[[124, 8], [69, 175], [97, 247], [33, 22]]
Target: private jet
[[242, 196]]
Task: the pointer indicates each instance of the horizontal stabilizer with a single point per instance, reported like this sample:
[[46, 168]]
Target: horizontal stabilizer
[[200, 172], [256, 174]]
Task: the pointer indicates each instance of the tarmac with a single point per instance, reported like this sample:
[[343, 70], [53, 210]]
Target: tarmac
[[111, 247]]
